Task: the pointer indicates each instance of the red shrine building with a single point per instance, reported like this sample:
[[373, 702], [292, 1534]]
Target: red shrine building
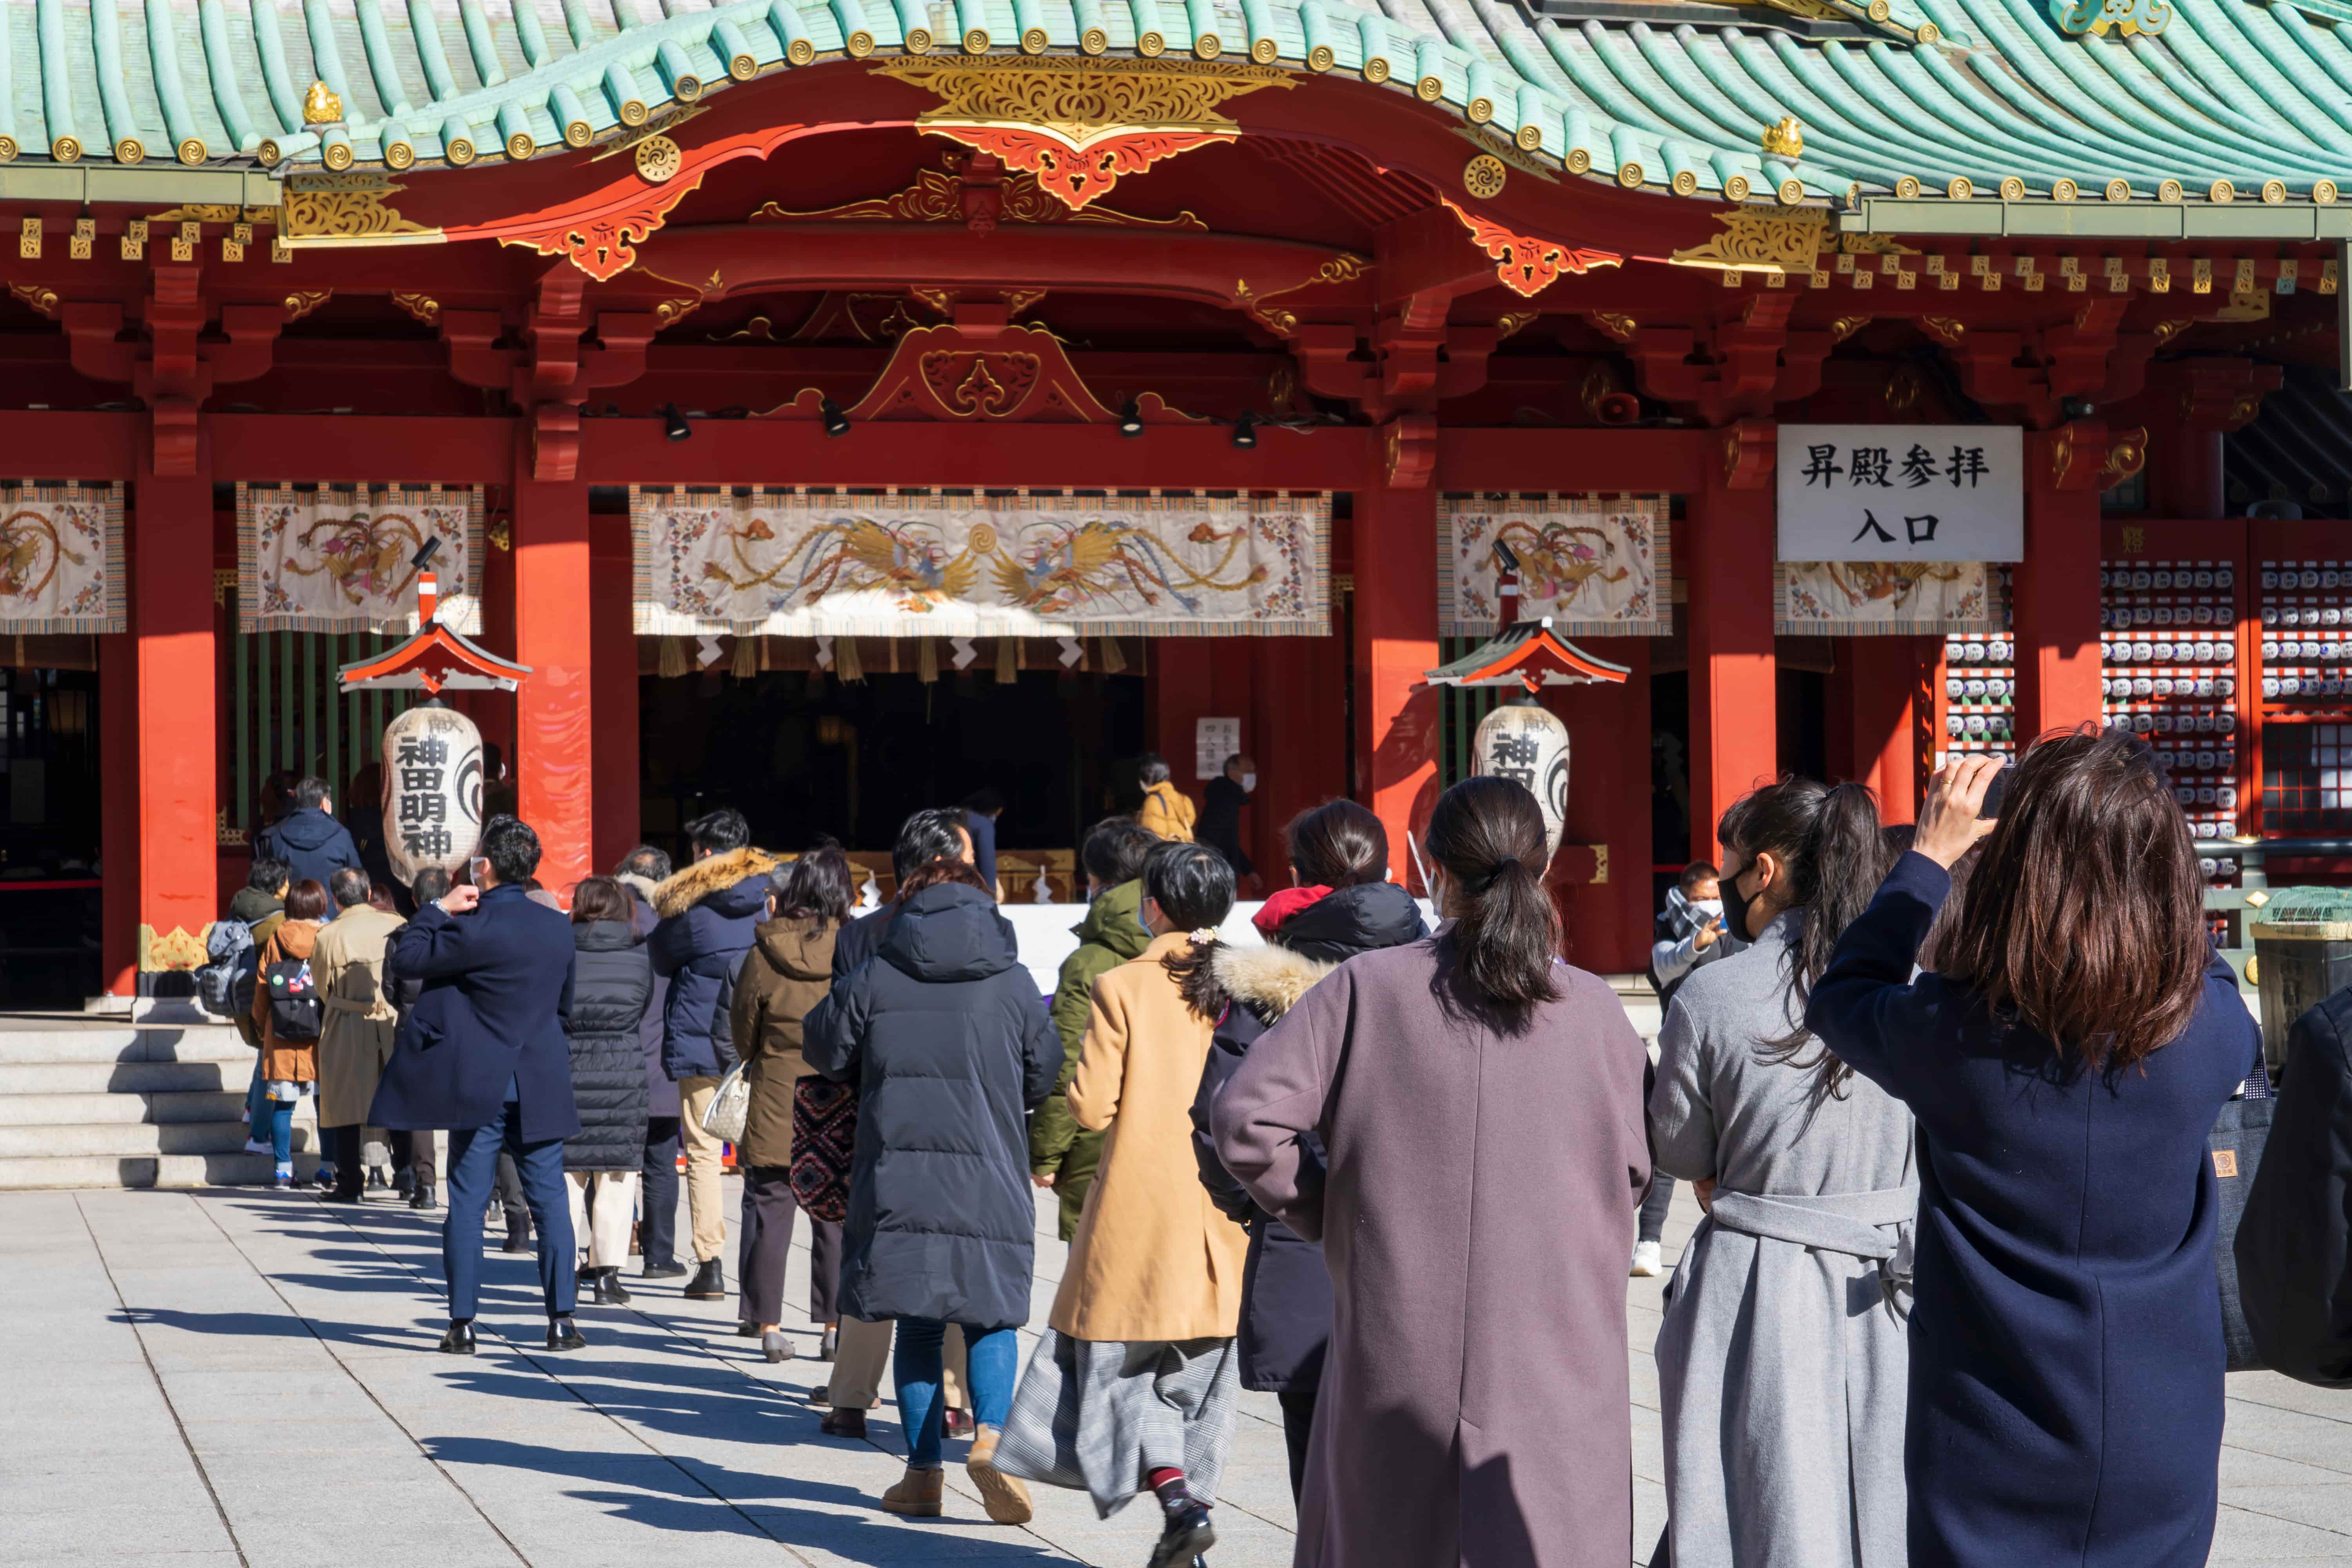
[[839, 406]]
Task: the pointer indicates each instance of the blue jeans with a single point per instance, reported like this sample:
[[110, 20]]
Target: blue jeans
[[473, 1172], [257, 1103], [281, 1132], [993, 1357]]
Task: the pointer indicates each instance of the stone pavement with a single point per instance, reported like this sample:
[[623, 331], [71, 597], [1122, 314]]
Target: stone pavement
[[241, 1377]]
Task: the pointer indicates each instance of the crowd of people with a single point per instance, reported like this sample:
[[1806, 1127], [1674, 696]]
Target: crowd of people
[[1942, 1093]]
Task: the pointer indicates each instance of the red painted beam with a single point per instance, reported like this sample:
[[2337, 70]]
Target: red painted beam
[[380, 449], [1649, 461]]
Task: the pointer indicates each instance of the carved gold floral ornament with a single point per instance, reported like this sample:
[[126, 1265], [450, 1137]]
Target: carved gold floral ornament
[[1761, 239], [326, 209]]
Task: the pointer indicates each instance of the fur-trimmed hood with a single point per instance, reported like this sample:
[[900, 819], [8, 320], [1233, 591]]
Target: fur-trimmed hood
[[715, 874], [1268, 980]]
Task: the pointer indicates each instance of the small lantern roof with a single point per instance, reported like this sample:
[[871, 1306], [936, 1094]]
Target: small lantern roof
[[1528, 654], [435, 661]]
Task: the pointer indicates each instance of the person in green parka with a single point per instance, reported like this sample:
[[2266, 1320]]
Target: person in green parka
[[1061, 1155]]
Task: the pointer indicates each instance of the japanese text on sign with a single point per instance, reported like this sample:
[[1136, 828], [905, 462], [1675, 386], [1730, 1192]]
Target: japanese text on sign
[[1897, 492]]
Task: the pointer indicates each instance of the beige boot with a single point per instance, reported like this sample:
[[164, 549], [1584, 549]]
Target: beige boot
[[917, 1495], [1006, 1496]]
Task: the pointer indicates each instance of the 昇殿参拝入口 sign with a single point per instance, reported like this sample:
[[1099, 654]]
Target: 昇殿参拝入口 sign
[[1901, 492]]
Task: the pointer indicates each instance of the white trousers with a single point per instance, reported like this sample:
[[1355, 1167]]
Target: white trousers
[[608, 1233]]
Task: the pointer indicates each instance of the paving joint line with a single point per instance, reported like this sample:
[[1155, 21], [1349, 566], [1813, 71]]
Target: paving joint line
[[130, 1317], [539, 1363], [361, 1383]]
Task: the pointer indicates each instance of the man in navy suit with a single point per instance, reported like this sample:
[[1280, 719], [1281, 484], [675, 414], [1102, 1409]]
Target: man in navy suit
[[483, 1054]]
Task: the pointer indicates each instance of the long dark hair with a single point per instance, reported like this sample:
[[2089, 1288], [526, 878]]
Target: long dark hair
[[1193, 886], [1827, 837], [2085, 919], [1339, 844], [1488, 834], [816, 887], [598, 899]]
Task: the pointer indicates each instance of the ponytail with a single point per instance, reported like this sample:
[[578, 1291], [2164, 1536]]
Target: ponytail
[[1488, 834], [1829, 839]]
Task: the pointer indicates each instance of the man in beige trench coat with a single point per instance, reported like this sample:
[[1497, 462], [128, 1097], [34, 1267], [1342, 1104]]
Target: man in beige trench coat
[[355, 1039]]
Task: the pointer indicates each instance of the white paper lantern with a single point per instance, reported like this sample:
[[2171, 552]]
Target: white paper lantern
[[432, 790], [1529, 745]]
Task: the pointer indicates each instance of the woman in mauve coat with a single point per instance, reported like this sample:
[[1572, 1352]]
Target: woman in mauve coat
[[2065, 1064], [1480, 1107]]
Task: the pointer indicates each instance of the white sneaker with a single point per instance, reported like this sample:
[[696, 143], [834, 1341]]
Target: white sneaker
[[1648, 1262], [254, 1147]]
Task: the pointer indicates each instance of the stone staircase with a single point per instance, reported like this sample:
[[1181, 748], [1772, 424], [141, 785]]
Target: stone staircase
[[108, 1102]]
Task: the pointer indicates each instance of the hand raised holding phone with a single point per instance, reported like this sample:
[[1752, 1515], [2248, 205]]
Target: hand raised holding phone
[[1952, 817]]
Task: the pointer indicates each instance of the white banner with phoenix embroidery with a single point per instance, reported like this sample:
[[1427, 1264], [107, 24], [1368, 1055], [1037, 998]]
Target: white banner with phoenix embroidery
[[783, 564], [61, 558], [1886, 598], [1598, 565], [340, 558]]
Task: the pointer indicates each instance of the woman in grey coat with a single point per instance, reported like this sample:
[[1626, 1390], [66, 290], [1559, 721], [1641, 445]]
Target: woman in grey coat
[[1781, 1364]]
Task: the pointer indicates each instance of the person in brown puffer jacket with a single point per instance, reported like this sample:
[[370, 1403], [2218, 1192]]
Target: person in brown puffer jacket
[[787, 972], [290, 1067]]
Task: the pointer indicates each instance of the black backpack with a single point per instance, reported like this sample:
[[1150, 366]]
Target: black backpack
[[296, 1011]]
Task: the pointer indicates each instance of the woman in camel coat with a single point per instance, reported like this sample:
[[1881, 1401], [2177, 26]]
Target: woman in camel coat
[[1132, 1387], [356, 1035]]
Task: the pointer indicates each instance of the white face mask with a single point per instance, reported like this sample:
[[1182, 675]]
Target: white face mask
[[1708, 907], [1249, 782]]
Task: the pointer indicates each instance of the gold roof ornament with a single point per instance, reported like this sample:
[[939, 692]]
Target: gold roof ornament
[[1786, 140], [320, 106]]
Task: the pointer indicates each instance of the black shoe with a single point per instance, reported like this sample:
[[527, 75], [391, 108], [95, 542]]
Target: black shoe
[[420, 1195], [663, 1271], [339, 1196], [517, 1241], [606, 1284], [1187, 1534], [458, 1340], [403, 1181], [829, 1343], [708, 1283], [747, 1330], [562, 1335]]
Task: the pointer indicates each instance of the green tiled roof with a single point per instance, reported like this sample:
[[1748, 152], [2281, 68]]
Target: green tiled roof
[[1930, 108]]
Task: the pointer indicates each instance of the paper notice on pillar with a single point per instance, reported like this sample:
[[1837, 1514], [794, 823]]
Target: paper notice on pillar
[[340, 558], [61, 558], [783, 564], [1596, 564], [1902, 492], [1214, 740], [1890, 598]]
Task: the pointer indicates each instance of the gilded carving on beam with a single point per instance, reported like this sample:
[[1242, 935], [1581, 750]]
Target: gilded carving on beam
[[41, 298], [1615, 324], [1508, 323], [669, 312], [1078, 124], [328, 209], [937, 197], [2168, 330], [660, 160], [1762, 239], [302, 301], [605, 246], [1527, 265], [1945, 330], [1845, 327], [2127, 455], [940, 373], [214, 212], [1283, 323], [424, 307], [668, 119]]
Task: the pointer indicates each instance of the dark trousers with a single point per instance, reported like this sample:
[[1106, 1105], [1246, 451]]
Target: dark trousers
[[658, 1238], [767, 1247], [414, 1151], [510, 1193], [342, 1152], [1654, 1204], [473, 1169], [1297, 1423]]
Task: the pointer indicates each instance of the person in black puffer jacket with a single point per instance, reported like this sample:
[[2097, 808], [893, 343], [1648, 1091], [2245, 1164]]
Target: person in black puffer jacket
[[948, 1040], [1340, 906], [610, 988]]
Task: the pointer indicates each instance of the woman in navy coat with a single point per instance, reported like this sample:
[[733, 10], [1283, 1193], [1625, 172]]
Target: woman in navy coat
[[2066, 1352]]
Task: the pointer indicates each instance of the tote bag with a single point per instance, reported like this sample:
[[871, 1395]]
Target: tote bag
[[729, 1107], [2235, 1147]]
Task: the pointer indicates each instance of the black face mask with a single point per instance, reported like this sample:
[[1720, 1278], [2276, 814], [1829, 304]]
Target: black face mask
[[1735, 904]]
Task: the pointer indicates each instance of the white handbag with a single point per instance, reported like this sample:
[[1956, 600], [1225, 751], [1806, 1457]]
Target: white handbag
[[729, 1107]]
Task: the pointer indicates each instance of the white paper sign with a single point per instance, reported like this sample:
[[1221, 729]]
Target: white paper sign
[[1214, 740], [1902, 492]]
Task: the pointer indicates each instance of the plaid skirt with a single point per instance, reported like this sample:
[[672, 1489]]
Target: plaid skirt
[[1098, 1416]]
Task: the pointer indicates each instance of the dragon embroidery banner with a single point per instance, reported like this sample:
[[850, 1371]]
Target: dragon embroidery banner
[[783, 563], [61, 558], [1864, 598], [1597, 565], [337, 558]]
